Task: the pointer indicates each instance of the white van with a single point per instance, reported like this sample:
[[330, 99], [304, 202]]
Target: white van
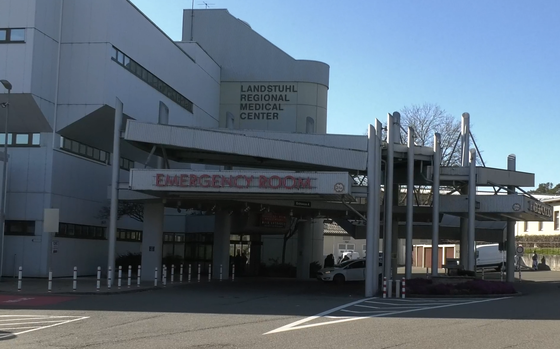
[[489, 256]]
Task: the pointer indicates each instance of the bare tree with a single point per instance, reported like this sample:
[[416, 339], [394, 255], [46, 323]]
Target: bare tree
[[429, 118], [132, 209], [292, 230]]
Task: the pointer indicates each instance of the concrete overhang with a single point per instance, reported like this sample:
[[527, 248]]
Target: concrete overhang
[[26, 115], [487, 176], [222, 147], [499, 207]]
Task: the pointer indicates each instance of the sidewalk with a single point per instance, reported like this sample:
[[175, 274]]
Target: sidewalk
[[84, 285]]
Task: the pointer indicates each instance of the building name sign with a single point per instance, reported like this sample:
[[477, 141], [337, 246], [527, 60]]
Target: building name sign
[[264, 101], [205, 180], [539, 208]]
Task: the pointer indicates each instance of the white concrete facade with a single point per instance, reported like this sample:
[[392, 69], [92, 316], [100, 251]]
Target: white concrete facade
[[76, 57]]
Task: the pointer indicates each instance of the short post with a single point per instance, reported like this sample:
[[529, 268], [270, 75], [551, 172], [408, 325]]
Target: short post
[[397, 288], [384, 287], [75, 279], [181, 273], [138, 276], [109, 275], [520, 273], [233, 273], [129, 275], [98, 283], [119, 277], [403, 291], [155, 278], [482, 273], [189, 275], [49, 284], [20, 276], [198, 276], [172, 272], [390, 288], [209, 272], [220, 272], [427, 273], [164, 276]]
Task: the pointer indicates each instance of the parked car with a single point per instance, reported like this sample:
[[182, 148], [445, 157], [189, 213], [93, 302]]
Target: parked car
[[351, 270]]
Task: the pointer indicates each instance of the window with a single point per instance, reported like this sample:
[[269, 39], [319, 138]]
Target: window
[[152, 80], [556, 220], [129, 235], [20, 227], [79, 231], [540, 226], [83, 150], [9, 35], [22, 139]]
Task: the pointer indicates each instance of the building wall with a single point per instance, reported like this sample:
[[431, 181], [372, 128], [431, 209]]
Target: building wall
[[541, 228]]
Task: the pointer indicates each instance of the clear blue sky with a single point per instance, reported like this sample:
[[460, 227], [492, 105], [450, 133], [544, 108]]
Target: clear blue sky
[[498, 60]]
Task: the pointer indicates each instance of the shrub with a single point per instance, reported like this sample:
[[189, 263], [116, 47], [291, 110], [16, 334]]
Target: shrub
[[124, 260], [421, 286], [314, 267]]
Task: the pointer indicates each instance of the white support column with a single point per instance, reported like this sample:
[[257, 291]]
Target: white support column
[[304, 235], [435, 206], [510, 230], [388, 219], [114, 186], [317, 240], [372, 227], [409, 204], [222, 230], [463, 221], [472, 208], [152, 239]]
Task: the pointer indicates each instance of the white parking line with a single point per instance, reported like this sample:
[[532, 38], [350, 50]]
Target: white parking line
[[390, 309], [35, 320]]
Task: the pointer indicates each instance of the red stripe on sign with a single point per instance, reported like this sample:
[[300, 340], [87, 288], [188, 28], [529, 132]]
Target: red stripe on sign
[[31, 301]]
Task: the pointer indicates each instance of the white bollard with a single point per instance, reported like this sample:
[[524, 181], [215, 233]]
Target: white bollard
[[209, 272], [20, 276], [98, 283], [155, 277], [233, 273], [397, 289], [164, 276], [189, 276], [172, 273], [119, 278], [75, 279], [390, 288], [181, 273], [129, 276], [403, 291], [49, 285], [384, 287], [109, 276], [138, 276], [198, 276], [482, 273], [220, 272]]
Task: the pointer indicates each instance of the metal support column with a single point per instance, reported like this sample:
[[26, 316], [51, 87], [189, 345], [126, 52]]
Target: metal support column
[[409, 204], [388, 197], [463, 221], [510, 230], [472, 208], [435, 203], [372, 232]]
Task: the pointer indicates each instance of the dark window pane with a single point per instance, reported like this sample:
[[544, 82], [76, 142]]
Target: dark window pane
[[17, 35]]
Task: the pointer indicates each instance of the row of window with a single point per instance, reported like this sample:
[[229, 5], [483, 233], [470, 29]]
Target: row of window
[[21, 139], [8, 35], [92, 153], [151, 79], [79, 231], [129, 235], [556, 222]]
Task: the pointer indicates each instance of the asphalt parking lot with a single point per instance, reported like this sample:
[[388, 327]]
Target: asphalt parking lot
[[280, 313]]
